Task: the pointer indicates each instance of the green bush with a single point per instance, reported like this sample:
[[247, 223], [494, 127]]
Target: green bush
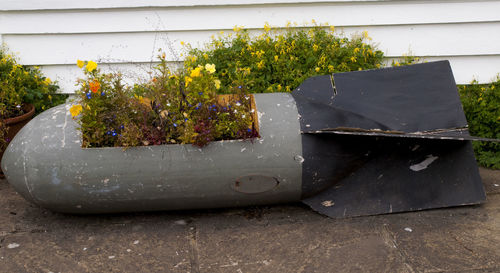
[[19, 85], [280, 60], [22, 84], [481, 104]]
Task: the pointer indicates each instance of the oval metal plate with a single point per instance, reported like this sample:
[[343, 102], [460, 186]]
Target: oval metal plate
[[255, 184]]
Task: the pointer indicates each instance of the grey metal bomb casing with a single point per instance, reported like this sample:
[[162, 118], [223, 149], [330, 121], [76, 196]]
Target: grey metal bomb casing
[[47, 165]]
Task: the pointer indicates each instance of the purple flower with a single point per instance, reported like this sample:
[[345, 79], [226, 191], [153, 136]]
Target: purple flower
[[175, 124], [103, 93], [89, 95], [200, 93], [240, 86]]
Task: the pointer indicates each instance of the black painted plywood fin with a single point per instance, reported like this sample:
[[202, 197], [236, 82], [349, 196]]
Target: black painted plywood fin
[[405, 175], [388, 140]]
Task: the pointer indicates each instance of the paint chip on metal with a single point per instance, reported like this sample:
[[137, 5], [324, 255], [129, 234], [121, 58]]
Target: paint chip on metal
[[424, 164], [327, 203]]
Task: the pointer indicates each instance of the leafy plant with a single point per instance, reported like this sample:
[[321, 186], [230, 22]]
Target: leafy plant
[[174, 107], [481, 106], [22, 84], [280, 60]]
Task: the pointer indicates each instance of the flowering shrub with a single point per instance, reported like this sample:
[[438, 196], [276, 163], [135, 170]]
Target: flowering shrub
[[174, 107], [280, 60], [20, 84], [481, 106]]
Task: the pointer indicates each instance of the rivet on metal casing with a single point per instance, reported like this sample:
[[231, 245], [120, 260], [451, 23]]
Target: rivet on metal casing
[[255, 183]]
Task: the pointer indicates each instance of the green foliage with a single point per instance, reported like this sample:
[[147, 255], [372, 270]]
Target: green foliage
[[181, 107], [481, 103], [21, 84], [280, 60], [406, 59]]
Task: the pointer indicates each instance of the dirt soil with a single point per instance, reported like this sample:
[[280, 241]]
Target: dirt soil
[[282, 238]]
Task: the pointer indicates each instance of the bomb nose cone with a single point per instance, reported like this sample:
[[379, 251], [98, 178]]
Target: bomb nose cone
[[33, 147]]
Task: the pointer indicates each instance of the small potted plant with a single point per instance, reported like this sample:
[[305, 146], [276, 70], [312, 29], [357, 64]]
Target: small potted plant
[[24, 91]]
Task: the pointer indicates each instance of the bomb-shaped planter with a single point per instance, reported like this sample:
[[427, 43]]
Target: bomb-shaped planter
[[350, 144]]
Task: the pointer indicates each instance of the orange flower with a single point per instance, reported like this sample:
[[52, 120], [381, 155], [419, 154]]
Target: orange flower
[[94, 86]]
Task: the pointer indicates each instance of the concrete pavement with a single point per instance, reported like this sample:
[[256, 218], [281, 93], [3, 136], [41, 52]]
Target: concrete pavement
[[282, 238]]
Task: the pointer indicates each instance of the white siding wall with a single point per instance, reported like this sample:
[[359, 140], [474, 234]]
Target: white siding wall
[[125, 35]]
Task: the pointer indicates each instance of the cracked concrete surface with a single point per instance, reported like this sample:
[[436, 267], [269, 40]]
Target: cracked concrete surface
[[283, 238]]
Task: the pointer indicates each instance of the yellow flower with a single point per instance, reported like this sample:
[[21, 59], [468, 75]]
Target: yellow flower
[[195, 72], [236, 28], [356, 50], [396, 64], [193, 58], [365, 34], [332, 28], [267, 27], [91, 66], [246, 70], [210, 68], [187, 80], [205, 55], [80, 63], [279, 87], [217, 84], [276, 58], [260, 64], [315, 47], [316, 69], [182, 42], [330, 68], [378, 65], [47, 81], [353, 59], [75, 110]]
